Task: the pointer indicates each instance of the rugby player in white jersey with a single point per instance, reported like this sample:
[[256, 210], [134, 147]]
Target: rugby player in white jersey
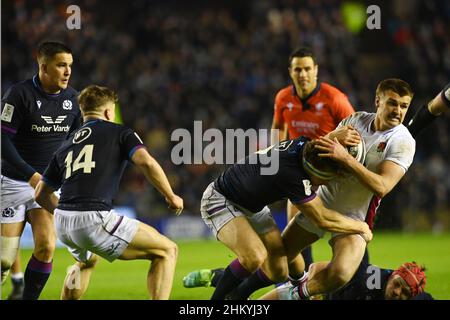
[[389, 149]]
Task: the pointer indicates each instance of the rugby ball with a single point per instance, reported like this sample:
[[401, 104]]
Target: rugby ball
[[358, 152]]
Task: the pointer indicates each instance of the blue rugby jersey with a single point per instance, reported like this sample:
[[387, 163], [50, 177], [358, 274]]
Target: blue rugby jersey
[[37, 123], [89, 165], [244, 184]]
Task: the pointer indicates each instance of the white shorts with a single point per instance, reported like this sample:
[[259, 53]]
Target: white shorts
[[17, 198], [104, 233], [217, 211]]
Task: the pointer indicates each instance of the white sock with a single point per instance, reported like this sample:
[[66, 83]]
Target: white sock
[[17, 276], [304, 289], [301, 279]]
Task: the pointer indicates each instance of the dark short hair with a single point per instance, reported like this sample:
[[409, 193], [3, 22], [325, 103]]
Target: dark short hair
[[402, 88], [93, 97], [302, 52], [320, 166], [49, 49]]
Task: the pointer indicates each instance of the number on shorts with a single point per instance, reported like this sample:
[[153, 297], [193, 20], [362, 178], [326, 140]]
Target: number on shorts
[[87, 165]]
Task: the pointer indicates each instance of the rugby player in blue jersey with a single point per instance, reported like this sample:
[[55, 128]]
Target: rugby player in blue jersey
[[234, 207], [37, 115], [88, 168]]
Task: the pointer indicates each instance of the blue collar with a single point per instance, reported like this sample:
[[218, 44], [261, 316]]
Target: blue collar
[[38, 85]]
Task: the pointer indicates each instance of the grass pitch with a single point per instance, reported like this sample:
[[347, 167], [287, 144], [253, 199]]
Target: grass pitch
[[126, 280]]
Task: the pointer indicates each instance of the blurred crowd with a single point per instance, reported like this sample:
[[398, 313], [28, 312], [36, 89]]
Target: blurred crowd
[[174, 62]]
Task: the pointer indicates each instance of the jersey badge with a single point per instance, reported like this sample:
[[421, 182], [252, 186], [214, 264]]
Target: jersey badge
[[67, 105], [39, 103], [8, 213], [319, 106], [381, 147], [290, 106]]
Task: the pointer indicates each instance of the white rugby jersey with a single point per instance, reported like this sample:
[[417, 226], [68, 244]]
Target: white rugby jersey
[[348, 195]]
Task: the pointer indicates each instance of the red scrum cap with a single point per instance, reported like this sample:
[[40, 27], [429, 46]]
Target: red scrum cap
[[413, 275]]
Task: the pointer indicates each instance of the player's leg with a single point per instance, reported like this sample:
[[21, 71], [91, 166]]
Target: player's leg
[[273, 270], [306, 253], [77, 278], [283, 292], [297, 235], [348, 251], [10, 240], [240, 237], [148, 243], [16, 280], [12, 222], [41, 262]]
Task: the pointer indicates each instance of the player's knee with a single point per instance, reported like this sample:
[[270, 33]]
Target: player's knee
[[168, 252], [281, 271], [44, 249], [172, 251], [340, 276], [9, 248], [253, 259]]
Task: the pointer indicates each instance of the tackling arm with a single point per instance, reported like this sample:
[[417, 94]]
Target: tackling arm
[[333, 221]]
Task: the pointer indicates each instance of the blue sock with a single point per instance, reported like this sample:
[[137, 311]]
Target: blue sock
[[256, 281], [233, 275], [36, 276]]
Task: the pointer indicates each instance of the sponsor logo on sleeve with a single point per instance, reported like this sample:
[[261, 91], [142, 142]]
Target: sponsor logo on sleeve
[[7, 113], [307, 185]]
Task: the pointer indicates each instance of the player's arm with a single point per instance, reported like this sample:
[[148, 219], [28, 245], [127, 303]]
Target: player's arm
[[279, 130], [282, 132], [346, 135], [11, 119], [50, 181], [331, 220], [441, 102], [45, 197], [156, 176], [12, 156], [380, 183], [429, 112]]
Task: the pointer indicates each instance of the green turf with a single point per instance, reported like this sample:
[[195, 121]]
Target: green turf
[[127, 279]]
